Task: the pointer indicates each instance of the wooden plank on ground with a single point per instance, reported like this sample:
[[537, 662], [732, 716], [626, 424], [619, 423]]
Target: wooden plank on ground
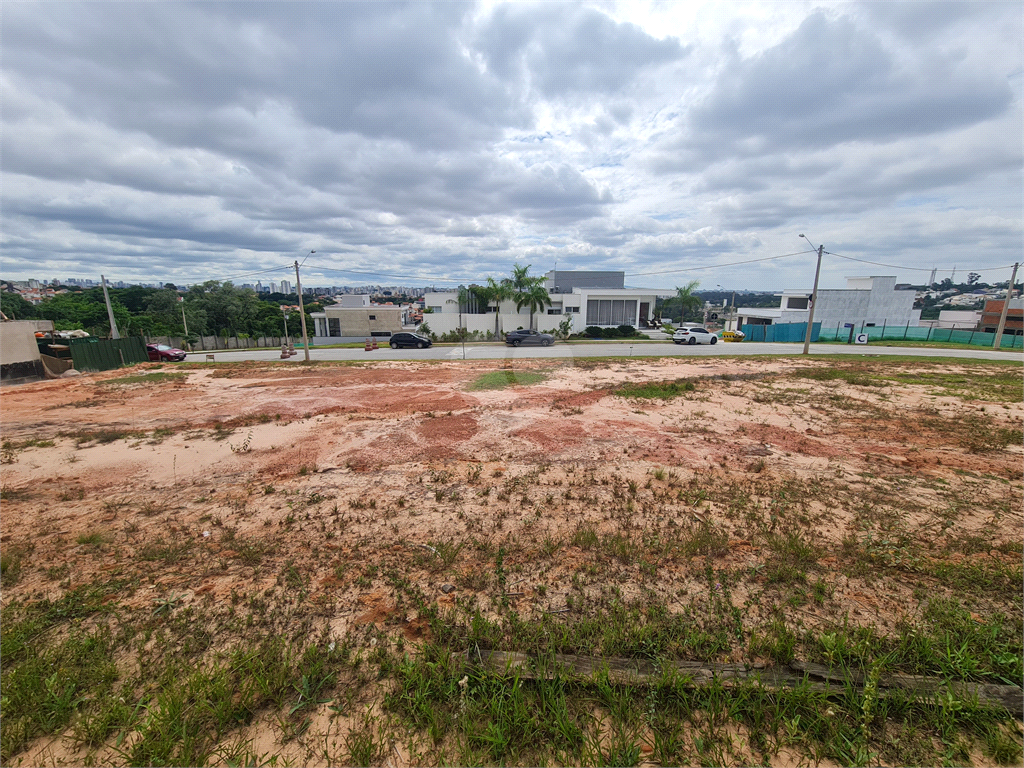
[[806, 675]]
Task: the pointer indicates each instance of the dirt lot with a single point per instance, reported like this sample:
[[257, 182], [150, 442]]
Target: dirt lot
[[272, 564]]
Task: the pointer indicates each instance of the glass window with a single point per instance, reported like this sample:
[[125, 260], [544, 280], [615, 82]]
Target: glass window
[[334, 326]]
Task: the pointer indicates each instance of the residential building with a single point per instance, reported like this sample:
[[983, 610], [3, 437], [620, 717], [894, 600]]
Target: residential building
[[286, 287], [962, 319], [338, 324], [589, 298], [1014, 316], [866, 301], [354, 300]]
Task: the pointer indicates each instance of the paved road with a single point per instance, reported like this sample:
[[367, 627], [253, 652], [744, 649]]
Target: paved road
[[562, 351]]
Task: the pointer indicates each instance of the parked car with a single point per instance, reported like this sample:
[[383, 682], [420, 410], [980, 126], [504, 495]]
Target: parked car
[[161, 353], [406, 339], [694, 335], [529, 336]]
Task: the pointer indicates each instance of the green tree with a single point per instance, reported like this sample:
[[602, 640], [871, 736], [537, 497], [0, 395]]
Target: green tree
[[496, 292], [536, 297], [686, 299], [526, 290], [15, 307]]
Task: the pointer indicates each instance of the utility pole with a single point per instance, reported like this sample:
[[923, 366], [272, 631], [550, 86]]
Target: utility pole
[[302, 310], [814, 301], [1006, 308], [183, 320], [110, 310]]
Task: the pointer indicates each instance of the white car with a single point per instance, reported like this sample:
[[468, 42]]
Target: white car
[[694, 335]]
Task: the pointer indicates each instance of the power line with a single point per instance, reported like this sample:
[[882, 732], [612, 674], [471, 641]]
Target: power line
[[398, 277], [247, 274], [717, 266], [916, 269]]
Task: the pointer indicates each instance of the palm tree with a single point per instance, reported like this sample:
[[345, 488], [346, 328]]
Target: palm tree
[[686, 297], [521, 281], [526, 290], [536, 297], [496, 292]]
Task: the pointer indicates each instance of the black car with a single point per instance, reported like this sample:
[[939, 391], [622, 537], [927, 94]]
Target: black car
[[529, 336], [409, 340]]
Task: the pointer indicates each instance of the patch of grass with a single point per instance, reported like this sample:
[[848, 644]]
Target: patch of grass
[[93, 539], [834, 373], [507, 377], [11, 559], [168, 553], [655, 390], [791, 556], [44, 687]]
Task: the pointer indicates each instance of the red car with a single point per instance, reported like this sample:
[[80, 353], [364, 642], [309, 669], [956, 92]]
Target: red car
[[161, 353]]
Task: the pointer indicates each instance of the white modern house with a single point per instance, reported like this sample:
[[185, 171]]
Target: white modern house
[[868, 301], [588, 298]]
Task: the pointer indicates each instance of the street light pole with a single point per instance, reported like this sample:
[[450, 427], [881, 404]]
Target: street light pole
[[302, 309], [814, 299]]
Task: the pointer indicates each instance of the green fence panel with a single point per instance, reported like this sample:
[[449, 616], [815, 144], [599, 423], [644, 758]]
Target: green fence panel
[[780, 332], [898, 333], [92, 354]]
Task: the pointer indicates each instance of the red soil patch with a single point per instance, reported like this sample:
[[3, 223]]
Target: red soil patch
[[552, 435], [581, 399], [789, 440], [448, 429]]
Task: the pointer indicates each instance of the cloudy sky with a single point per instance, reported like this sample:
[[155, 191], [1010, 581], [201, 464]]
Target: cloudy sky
[[439, 143]]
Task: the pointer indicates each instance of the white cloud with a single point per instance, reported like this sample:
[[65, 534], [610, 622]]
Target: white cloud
[[194, 141]]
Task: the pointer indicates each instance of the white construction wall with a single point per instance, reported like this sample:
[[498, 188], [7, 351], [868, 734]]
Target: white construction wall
[[441, 323]]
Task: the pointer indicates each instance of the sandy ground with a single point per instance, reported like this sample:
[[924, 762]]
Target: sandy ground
[[373, 462]]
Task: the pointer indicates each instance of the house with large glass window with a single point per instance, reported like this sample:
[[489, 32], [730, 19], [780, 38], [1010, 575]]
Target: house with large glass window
[[588, 298]]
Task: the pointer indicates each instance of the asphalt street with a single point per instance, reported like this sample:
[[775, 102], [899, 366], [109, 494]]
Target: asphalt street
[[568, 350]]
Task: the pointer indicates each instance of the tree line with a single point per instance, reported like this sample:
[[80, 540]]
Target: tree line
[[210, 309]]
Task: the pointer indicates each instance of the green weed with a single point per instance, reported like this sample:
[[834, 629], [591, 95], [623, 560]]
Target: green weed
[[507, 377]]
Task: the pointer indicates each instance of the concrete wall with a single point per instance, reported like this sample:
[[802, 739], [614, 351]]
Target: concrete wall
[[565, 281], [19, 353], [952, 318], [441, 323]]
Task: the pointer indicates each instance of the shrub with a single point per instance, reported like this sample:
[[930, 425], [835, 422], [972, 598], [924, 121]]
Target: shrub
[[610, 333], [593, 331], [626, 331]]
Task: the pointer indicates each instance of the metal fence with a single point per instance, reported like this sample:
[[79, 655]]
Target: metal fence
[[780, 332], [215, 343], [93, 354], [916, 333]]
